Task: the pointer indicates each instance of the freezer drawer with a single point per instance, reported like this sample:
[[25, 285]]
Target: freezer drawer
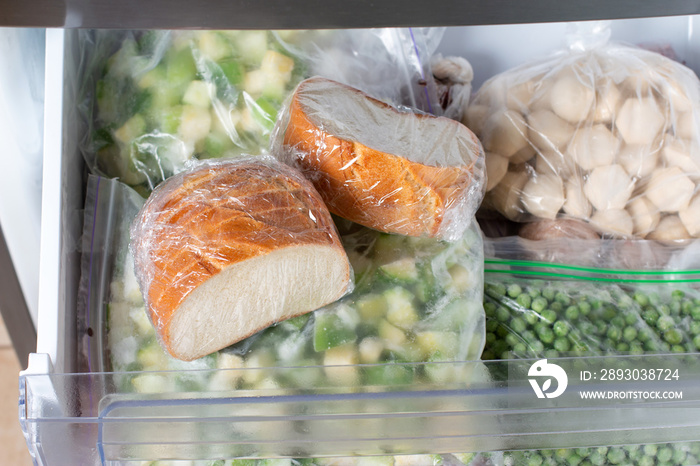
[[73, 418]]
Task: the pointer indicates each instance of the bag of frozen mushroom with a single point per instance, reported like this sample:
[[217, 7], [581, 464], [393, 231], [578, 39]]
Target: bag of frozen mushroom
[[602, 132]]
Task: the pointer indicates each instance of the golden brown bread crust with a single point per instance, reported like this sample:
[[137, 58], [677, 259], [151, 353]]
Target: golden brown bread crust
[[198, 223], [373, 188]]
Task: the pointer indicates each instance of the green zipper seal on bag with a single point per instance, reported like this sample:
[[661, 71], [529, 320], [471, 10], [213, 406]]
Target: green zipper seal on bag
[[599, 275]]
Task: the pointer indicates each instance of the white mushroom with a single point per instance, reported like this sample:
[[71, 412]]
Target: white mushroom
[[554, 162], [607, 102], [576, 204], [613, 221], [645, 216], [547, 131], [690, 216], [543, 196], [670, 190], [571, 98], [670, 228], [640, 120], [639, 160], [519, 95], [523, 155], [504, 133], [506, 196], [594, 147], [496, 168], [475, 117], [686, 126], [678, 153], [676, 95], [609, 187]]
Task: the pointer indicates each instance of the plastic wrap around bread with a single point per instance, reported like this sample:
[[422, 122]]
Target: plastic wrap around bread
[[386, 168], [230, 247], [602, 132]]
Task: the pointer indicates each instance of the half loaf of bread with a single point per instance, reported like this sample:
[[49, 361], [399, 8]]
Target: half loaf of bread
[[229, 248], [392, 170]]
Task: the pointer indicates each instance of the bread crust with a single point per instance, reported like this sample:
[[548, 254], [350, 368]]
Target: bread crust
[[377, 189], [197, 223]]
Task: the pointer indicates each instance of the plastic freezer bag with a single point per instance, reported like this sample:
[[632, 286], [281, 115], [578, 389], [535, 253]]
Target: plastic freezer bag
[[596, 306], [603, 132], [392, 169], [151, 100], [229, 247], [415, 300]]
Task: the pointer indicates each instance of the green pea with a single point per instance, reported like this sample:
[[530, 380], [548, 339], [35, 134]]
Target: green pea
[[646, 461], [678, 456], [524, 300], [512, 339], [551, 354], [696, 341], [556, 306], [597, 458], [631, 318], [664, 454], [520, 348], [534, 293], [562, 298], [675, 308], [614, 333], [618, 321], [608, 313], [496, 290], [490, 338], [623, 347], [574, 460], [535, 460], [490, 308], [488, 355], [687, 307], [583, 452], [539, 304], [694, 328], [644, 335], [695, 313], [514, 291], [546, 453], [641, 298], [562, 344], [585, 308], [546, 335], [549, 293], [572, 312], [586, 463], [678, 349], [629, 334], [602, 450], [491, 325], [502, 331], [502, 314], [664, 323], [532, 318], [677, 295], [560, 328], [587, 328], [562, 453], [537, 347], [673, 336], [650, 316], [518, 325], [616, 455], [636, 348], [690, 459], [549, 316]]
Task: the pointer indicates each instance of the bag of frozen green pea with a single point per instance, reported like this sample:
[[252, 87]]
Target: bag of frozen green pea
[[542, 309]]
